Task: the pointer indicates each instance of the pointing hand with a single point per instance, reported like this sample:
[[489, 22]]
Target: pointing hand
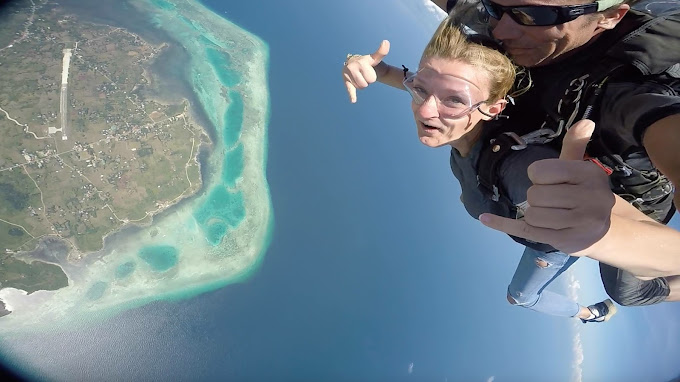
[[359, 71], [570, 203]]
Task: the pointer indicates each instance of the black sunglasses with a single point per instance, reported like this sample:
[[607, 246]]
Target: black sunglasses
[[545, 15]]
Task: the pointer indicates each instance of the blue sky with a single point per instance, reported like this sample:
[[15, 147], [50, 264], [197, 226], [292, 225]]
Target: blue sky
[[473, 246], [640, 343]]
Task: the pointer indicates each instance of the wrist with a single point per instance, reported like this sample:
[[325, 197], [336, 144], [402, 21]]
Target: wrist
[[602, 246], [381, 69]]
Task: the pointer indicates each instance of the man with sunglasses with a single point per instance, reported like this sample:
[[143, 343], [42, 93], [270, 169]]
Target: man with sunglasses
[[638, 119]]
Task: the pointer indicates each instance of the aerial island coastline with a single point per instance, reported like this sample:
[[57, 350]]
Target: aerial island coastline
[[216, 227]]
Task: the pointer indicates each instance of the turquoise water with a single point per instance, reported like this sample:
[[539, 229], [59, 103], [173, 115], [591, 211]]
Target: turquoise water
[[124, 270], [97, 290], [233, 165], [222, 210], [159, 257], [233, 118], [186, 21], [221, 61], [162, 4]]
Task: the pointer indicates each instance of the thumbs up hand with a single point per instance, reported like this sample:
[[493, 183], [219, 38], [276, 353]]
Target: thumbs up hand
[[359, 71], [570, 203]]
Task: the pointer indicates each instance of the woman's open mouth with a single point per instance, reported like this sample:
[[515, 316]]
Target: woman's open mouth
[[428, 128]]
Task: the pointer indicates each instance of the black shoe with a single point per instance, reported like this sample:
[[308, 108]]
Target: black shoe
[[602, 311]]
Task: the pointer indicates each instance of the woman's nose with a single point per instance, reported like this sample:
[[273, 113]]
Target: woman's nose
[[429, 107]]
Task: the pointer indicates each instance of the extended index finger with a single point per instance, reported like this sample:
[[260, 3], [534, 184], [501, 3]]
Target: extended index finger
[[351, 90], [519, 228], [512, 227]]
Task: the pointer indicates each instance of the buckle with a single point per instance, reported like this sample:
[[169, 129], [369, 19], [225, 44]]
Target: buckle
[[521, 143], [496, 195]]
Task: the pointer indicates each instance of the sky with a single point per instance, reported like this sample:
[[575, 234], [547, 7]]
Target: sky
[[375, 270], [622, 349], [481, 260]]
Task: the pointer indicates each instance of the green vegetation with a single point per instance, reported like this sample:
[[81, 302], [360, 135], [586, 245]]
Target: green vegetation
[[15, 199], [11, 237], [127, 156], [30, 277]]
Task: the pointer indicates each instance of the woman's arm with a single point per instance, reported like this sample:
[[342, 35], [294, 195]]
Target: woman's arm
[[359, 71], [390, 75]]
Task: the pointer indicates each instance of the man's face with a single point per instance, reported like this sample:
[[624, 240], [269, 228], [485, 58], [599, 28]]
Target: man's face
[[541, 45]]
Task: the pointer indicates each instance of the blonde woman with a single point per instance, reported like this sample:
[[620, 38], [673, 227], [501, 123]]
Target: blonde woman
[[460, 87]]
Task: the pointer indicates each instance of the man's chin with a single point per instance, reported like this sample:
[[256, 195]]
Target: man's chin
[[526, 62], [522, 57]]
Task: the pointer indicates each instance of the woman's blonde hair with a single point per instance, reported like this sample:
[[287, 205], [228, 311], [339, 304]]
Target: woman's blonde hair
[[449, 42]]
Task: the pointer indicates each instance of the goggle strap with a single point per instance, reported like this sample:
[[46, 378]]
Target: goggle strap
[[606, 4], [405, 70]]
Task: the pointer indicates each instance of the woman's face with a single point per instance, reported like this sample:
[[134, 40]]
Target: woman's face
[[447, 89]]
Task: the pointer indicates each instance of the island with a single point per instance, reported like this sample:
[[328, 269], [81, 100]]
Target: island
[[116, 188]]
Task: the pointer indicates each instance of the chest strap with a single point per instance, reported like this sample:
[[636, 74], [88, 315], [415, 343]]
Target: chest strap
[[490, 159]]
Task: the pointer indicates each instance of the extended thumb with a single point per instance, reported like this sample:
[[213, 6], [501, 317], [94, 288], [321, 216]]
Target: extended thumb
[[382, 51], [576, 140]]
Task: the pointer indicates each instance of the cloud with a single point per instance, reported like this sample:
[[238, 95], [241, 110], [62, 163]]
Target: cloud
[[577, 346], [491, 379], [424, 12], [437, 12]]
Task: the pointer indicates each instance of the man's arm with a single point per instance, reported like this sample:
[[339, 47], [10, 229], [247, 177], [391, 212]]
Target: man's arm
[[637, 243], [662, 140], [572, 208]]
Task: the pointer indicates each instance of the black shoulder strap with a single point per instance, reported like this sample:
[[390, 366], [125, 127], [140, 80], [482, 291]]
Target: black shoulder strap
[[491, 157]]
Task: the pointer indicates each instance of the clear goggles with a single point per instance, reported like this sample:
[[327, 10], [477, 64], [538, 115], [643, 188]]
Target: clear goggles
[[455, 97]]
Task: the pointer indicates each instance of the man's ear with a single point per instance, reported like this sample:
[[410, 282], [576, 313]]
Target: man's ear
[[493, 109], [611, 17]]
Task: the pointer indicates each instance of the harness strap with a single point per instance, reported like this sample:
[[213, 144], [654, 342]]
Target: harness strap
[[490, 160]]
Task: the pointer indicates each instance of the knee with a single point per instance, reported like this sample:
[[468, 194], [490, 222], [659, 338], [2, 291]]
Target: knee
[[627, 290], [647, 295], [541, 263], [518, 299], [623, 297]]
